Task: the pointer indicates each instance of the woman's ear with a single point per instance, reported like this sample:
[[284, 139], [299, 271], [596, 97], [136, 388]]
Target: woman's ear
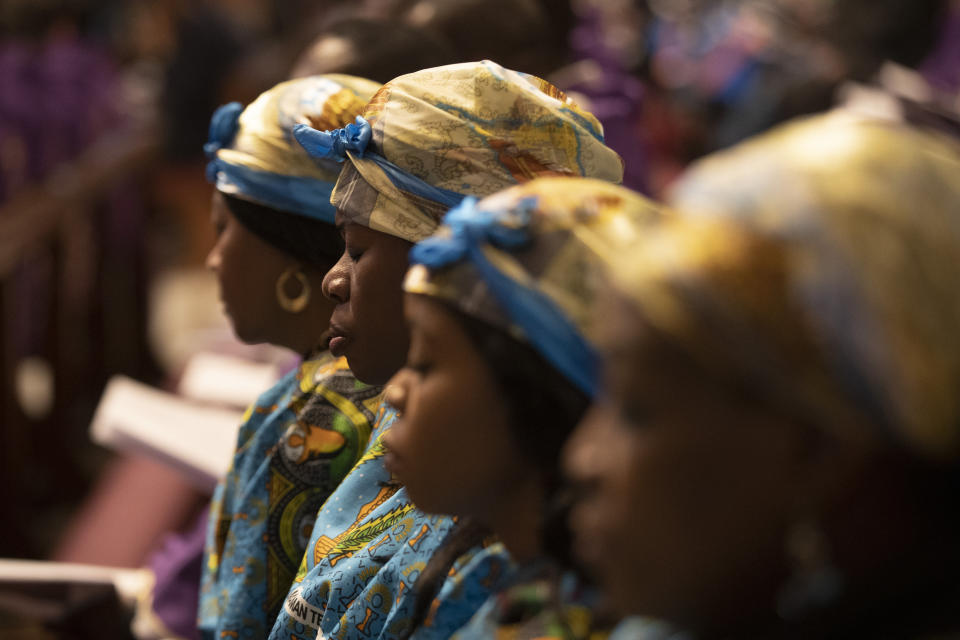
[[830, 468]]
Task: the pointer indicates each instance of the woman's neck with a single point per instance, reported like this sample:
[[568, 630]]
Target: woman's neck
[[517, 519], [307, 332]]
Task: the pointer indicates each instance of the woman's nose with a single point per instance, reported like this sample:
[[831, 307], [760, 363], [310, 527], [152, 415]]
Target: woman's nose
[[336, 282], [395, 393], [213, 259], [582, 455]]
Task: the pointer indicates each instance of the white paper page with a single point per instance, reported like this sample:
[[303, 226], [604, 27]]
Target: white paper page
[[226, 380], [128, 582], [196, 439]]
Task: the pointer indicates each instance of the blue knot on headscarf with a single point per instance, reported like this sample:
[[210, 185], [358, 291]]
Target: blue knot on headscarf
[[223, 129], [545, 325], [334, 144], [469, 229]]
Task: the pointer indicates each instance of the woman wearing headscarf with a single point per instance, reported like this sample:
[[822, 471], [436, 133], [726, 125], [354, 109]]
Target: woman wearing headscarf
[[777, 450], [424, 142], [275, 240], [499, 301]]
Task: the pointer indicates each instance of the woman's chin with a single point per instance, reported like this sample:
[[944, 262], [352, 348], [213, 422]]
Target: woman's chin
[[245, 334]]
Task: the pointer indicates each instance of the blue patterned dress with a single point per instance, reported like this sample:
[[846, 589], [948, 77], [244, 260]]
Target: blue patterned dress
[[368, 547], [296, 444]]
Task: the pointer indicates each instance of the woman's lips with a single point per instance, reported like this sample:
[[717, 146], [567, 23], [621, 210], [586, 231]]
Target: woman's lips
[[339, 339], [391, 462], [582, 521], [338, 345]]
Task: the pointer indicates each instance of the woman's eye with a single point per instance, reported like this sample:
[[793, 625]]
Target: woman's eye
[[419, 367], [637, 414], [354, 254]]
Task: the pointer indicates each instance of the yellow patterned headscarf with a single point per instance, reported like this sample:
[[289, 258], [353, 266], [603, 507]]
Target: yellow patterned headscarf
[[821, 263], [254, 156], [430, 138], [529, 260]]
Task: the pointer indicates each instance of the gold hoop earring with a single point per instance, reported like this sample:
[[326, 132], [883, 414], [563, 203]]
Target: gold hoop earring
[[298, 304]]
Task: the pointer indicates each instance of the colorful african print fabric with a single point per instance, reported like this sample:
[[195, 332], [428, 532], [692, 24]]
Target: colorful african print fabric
[[368, 547], [820, 262], [252, 152], [537, 603], [296, 444], [471, 129], [481, 571], [529, 260]]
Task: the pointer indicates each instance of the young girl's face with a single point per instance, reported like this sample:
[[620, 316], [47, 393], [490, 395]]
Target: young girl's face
[[451, 446]]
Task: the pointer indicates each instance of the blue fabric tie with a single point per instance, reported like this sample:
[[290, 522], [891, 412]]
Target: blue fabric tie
[[295, 194], [307, 197], [223, 128], [334, 145], [546, 327]]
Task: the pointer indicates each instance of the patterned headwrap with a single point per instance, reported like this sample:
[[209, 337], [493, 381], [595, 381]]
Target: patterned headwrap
[[428, 139], [529, 260], [253, 155], [819, 264]]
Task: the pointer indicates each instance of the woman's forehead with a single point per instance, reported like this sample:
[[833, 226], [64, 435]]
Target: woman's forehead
[[426, 316]]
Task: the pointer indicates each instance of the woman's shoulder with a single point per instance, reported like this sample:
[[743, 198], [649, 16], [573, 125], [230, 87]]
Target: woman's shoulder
[[539, 601]]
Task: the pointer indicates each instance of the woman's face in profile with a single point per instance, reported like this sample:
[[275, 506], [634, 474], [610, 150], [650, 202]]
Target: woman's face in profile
[[366, 287], [247, 269], [686, 493], [452, 446]]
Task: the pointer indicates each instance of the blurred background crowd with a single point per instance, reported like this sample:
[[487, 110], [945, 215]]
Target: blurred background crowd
[[104, 206]]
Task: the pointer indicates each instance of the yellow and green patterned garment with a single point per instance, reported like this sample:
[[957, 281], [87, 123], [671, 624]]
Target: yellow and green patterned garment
[[296, 444]]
